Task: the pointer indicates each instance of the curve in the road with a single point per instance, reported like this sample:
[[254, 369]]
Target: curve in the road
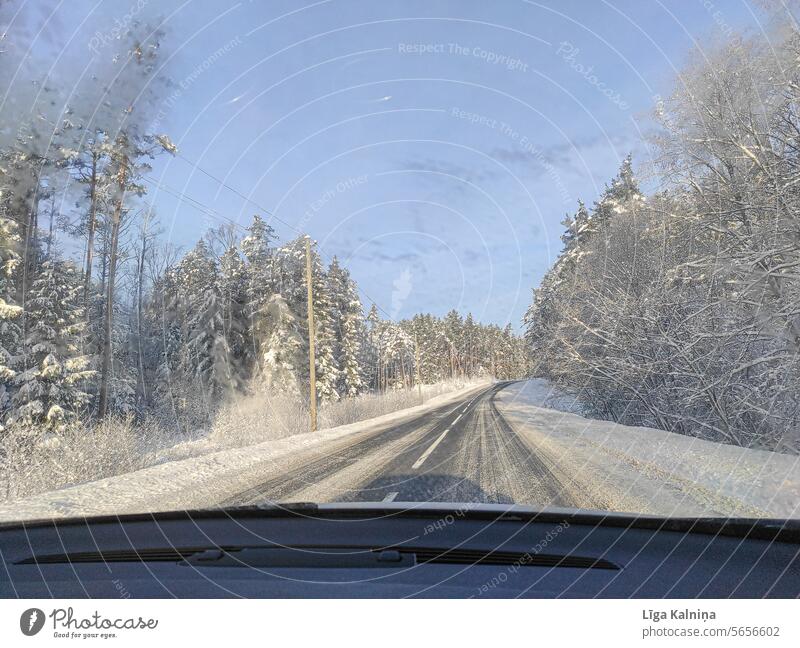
[[462, 453]]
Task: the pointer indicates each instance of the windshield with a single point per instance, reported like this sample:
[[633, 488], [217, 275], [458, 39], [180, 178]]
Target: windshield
[[484, 253]]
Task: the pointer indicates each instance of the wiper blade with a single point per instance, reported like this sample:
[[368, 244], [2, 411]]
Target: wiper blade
[[324, 556], [289, 507], [301, 557], [753, 528]]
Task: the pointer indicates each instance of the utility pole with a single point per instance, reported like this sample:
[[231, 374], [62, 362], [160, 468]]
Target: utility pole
[[312, 372], [416, 366]]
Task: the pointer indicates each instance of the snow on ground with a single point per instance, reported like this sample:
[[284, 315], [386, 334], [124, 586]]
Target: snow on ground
[[542, 393], [201, 481], [624, 468]]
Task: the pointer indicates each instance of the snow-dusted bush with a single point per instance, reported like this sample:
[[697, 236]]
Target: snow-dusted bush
[[186, 408], [32, 461], [365, 406], [263, 417], [257, 418]]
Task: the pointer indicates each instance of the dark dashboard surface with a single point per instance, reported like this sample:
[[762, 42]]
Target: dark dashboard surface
[[399, 550]]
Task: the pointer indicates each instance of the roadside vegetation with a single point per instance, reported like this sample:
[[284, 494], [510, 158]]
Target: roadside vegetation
[[680, 310]]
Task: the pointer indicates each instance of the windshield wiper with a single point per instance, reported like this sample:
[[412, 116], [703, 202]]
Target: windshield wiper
[[270, 507], [322, 556], [755, 528]]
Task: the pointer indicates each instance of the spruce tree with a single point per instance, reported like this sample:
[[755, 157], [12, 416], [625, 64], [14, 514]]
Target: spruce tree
[[232, 288], [10, 311], [205, 354], [50, 376], [349, 329]]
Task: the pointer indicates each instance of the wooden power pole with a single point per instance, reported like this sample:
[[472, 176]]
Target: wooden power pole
[[312, 371]]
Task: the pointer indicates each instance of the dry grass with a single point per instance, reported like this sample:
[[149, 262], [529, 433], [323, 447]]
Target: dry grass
[[32, 462]]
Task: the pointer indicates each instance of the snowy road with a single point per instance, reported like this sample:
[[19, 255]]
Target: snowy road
[[501, 443], [463, 452]]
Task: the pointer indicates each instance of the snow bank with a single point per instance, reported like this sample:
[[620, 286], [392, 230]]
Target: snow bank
[[540, 392], [639, 469], [202, 481]]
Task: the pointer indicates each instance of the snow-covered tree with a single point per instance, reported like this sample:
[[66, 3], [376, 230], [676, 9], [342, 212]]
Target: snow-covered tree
[[326, 313], [52, 369], [10, 311], [205, 353], [284, 360], [348, 328], [260, 280], [280, 314], [232, 289]]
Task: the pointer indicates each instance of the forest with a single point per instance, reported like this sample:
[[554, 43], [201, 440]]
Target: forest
[[680, 310], [105, 325]]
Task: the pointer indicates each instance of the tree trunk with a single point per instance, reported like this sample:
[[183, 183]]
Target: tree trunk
[[29, 250], [50, 233], [87, 273], [142, 390], [112, 272]]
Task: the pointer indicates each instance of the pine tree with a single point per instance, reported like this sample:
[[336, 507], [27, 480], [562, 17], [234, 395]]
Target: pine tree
[[349, 329], [165, 331], [469, 345], [281, 333], [205, 354], [372, 352], [325, 316], [234, 310], [260, 282], [10, 312], [51, 373], [622, 193], [284, 351], [453, 330]]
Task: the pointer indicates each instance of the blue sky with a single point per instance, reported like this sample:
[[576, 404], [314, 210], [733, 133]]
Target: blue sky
[[434, 147]]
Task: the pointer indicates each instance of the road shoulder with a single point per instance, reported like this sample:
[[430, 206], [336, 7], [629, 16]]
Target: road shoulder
[[624, 468]]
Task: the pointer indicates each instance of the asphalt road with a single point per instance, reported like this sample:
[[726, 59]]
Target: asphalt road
[[462, 452]]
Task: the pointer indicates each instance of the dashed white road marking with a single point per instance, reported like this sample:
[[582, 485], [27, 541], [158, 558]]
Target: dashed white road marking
[[430, 449], [433, 445], [390, 497]]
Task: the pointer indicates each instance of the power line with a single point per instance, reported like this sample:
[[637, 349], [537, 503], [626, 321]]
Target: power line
[[209, 211], [192, 202], [237, 192]]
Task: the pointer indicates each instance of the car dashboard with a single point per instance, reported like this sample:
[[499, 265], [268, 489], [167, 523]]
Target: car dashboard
[[397, 550]]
